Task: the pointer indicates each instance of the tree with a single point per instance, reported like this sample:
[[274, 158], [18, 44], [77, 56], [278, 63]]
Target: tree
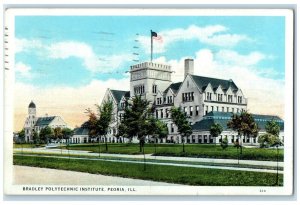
[[272, 127], [215, 130], [105, 118], [67, 133], [46, 133], [158, 130], [21, 136], [135, 120], [57, 135], [271, 138], [122, 131], [183, 125], [244, 124], [224, 143], [98, 124], [91, 124]]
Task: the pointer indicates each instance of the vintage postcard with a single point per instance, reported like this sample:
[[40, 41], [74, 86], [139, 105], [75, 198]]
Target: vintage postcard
[[148, 102]]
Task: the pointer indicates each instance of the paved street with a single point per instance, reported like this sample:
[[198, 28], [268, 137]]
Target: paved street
[[41, 176]]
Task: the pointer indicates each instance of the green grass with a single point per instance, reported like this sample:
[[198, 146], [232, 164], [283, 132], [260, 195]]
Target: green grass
[[178, 175], [27, 145], [152, 160], [191, 150]]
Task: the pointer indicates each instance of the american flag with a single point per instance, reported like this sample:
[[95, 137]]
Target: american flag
[[156, 37]]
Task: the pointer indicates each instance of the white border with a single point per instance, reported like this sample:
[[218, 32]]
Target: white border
[[288, 169]]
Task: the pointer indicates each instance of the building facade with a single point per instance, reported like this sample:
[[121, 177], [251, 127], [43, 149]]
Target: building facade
[[198, 96], [36, 124]]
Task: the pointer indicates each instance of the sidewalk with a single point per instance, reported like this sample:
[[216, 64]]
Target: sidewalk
[[148, 156]]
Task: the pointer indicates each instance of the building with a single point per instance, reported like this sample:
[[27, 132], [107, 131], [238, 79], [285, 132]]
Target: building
[[36, 124], [201, 98]]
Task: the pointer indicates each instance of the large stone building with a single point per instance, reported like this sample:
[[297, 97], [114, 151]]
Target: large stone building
[[35, 124], [203, 99]]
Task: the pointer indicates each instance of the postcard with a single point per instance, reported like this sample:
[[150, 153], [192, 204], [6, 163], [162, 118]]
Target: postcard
[[148, 102]]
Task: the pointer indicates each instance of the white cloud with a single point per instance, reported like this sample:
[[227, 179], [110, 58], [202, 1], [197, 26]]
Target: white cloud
[[68, 102], [265, 95], [25, 45], [91, 61], [23, 69], [216, 35]]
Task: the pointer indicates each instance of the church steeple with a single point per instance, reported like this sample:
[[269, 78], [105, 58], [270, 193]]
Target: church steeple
[[32, 110]]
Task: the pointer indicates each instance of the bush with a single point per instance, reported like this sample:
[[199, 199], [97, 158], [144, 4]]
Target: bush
[[268, 140], [224, 143]]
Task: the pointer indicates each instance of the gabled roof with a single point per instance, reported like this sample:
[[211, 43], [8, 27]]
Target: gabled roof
[[202, 82], [174, 86], [44, 121], [223, 117], [118, 94], [83, 130]]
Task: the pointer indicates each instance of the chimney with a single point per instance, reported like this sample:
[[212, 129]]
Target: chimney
[[188, 67]]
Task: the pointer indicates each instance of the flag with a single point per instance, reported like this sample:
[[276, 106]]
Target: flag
[[155, 36]]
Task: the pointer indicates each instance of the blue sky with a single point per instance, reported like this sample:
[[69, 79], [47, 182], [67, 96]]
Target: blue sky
[[108, 36], [66, 63]]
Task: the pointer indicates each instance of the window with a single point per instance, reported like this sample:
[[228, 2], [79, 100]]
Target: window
[[167, 113], [188, 96], [172, 128], [156, 114], [217, 108], [239, 99], [184, 110], [206, 111], [154, 89], [229, 98], [208, 96], [227, 109], [140, 89], [222, 109], [220, 96], [212, 108], [191, 110], [161, 113], [232, 109], [197, 109]]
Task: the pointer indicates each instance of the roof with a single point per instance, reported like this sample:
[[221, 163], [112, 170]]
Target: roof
[[83, 130], [202, 82], [174, 86], [44, 121], [223, 117], [32, 105], [118, 94]]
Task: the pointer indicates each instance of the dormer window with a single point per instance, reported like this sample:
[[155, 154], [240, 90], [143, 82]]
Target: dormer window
[[208, 96]]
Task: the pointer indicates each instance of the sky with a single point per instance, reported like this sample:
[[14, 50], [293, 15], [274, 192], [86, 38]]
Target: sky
[[66, 63]]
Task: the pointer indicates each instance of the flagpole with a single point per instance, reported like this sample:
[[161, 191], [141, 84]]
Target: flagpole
[[151, 45]]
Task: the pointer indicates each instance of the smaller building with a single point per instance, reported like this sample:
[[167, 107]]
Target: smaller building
[[201, 133], [81, 134], [34, 124]]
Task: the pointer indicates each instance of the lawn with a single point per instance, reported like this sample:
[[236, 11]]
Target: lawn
[[191, 150], [171, 174], [27, 145]]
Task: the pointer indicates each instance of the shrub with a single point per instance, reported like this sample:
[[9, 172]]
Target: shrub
[[224, 143]]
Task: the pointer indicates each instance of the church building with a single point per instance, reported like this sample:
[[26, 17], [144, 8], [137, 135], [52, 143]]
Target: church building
[[35, 124]]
